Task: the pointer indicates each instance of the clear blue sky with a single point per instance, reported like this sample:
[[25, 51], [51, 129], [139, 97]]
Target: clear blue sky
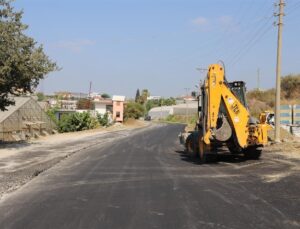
[[122, 45]]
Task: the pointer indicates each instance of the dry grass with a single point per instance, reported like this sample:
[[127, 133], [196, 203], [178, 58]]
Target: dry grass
[[135, 123]]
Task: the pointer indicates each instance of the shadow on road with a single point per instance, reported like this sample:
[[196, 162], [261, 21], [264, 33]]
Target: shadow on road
[[228, 158], [14, 145]]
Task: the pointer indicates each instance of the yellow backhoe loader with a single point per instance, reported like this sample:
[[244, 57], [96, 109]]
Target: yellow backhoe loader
[[224, 120]]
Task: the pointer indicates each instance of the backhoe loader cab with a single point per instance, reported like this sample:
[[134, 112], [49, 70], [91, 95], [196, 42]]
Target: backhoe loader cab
[[239, 89]]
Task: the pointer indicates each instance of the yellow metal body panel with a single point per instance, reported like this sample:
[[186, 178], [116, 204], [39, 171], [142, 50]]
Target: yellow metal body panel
[[238, 115]]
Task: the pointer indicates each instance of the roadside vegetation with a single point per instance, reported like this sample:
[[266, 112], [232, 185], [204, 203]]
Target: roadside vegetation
[[190, 121], [78, 121], [140, 107], [260, 101], [51, 113], [134, 110]]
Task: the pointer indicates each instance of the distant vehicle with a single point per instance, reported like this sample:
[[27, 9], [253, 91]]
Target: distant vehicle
[[147, 118]]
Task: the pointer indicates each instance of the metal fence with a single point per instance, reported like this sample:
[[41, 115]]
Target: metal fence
[[290, 118]]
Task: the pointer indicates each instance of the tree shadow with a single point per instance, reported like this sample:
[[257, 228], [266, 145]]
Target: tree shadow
[[14, 145]]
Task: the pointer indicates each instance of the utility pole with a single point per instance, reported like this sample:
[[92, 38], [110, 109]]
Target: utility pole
[[278, 70]]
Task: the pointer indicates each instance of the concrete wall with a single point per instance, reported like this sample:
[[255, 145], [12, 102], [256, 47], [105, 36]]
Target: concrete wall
[[163, 112], [100, 108]]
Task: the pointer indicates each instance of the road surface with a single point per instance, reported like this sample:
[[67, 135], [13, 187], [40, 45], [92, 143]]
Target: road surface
[[145, 181]]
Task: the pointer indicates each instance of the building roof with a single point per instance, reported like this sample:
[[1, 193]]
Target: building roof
[[190, 98], [120, 98], [103, 101], [19, 102]]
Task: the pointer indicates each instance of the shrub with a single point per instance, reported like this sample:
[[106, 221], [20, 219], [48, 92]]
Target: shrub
[[134, 110], [51, 113], [77, 122], [103, 119], [290, 86]]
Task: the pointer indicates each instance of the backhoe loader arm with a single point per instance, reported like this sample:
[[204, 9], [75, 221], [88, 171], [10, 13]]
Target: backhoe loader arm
[[217, 91]]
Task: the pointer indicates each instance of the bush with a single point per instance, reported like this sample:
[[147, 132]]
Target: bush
[[51, 113], [290, 86], [77, 122], [256, 107], [103, 119], [267, 96], [134, 110]]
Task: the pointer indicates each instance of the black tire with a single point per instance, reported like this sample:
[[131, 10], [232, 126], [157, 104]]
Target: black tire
[[190, 147], [208, 156], [252, 153]]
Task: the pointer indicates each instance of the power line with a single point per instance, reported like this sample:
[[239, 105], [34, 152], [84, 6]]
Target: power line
[[256, 38], [260, 32], [219, 40], [234, 54], [293, 7]]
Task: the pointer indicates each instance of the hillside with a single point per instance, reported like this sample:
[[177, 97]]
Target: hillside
[[259, 101]]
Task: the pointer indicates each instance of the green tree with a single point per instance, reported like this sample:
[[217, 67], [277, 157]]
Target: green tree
[[160, 102], [290, 86], [150, 104], [105, 96], [169, 101], [41, 96], [137, 96], [134, 110], [143, 98], [22, 63]]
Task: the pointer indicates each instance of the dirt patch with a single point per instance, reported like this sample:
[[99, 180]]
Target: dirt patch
[[287, 149], [284, 135], [133, 123]]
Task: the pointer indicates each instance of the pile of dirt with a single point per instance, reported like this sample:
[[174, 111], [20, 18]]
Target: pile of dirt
[[287, 149], [134, 123], [289, 145]]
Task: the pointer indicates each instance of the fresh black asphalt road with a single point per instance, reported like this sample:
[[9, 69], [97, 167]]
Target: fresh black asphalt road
[[145, 181]]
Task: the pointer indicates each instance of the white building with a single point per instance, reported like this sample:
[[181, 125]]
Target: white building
[[190, 108], [154, 97], [103, 106]]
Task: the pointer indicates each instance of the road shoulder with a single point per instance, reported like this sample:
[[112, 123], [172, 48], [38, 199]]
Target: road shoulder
[[20, 163]]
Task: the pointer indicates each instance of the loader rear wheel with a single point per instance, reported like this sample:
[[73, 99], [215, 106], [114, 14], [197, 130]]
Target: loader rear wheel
[[191, 148], [208, 158], [206, 154], [252, 153]]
